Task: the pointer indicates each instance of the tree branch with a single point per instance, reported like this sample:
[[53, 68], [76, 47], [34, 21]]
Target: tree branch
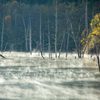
[[2, 56]]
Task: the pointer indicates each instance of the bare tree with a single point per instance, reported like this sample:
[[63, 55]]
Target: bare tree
[[26, 35], [67, 38], [86, 25], [43, 43], [67, 44], [56, 30], [75, 36], [61, 44], [39, 48], [2, 35], [40, 34], [30, 37], [49, 47]]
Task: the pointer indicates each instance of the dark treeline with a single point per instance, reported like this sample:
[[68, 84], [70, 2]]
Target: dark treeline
[[49, 2], [16, 15]]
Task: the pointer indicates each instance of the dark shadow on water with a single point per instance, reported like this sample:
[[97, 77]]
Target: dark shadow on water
[[81, 84]]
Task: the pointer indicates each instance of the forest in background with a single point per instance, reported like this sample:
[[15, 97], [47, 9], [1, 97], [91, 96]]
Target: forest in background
[[46, 2], [20, 17]]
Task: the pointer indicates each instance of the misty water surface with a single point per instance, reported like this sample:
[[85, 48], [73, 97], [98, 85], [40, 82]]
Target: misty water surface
[[29, 77]]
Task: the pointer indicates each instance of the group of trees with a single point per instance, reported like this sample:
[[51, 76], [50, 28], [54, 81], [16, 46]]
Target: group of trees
[[50, 25], [45, 2], [93, 36]]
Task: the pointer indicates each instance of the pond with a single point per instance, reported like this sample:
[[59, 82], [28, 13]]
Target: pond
[[29, 77]]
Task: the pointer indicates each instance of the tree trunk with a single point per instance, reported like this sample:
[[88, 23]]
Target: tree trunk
[[26, 36], [79, 46], [67, 39], [98, 62], [39, 48], [61, 45], [49, 47], [5, 46], [2, 36], [11, 47], [67, 45], [86, 26], [41, 38], [56, 30], [40, 33], [43, 43], [30, 38], [97, 53]]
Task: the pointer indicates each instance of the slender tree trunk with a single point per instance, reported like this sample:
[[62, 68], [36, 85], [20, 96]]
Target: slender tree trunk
[[56, 30], [41, 38], [79, 46], [26, 35], [2, 35], [98, 62], [11, 47], [61, 44], [40, 34], [15, 20], [67, 45], [74, 36], [49, 47], [30, 38], [79, 41], [86, 25], [5, 46], [64, 45], [67, 39], [76, 47], [62, 41], [43, 42], [26, 41], [39, 48], [97, 53]]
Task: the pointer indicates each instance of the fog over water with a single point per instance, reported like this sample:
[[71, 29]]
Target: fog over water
[[29, 77]]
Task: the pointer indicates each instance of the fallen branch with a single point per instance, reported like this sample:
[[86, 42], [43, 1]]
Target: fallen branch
[[2, 56]]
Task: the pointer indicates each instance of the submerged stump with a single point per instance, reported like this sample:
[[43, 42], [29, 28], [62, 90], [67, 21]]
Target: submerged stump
[[98, 63]]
